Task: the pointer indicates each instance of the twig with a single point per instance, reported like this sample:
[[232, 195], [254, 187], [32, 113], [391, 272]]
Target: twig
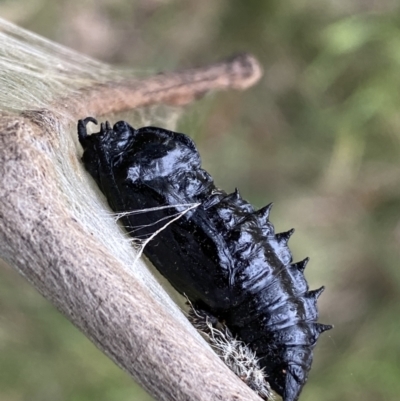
[[178, 88]]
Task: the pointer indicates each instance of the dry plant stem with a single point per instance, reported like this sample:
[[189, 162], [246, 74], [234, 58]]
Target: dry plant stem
[[179, 88], [40, 238]]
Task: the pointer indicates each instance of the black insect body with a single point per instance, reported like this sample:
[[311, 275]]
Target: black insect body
[[222, 254]]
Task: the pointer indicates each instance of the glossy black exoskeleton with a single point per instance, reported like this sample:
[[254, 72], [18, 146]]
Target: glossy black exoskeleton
[[224, 255]]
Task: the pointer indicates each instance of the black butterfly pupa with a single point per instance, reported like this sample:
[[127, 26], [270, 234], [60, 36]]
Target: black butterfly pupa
[[223, 254]]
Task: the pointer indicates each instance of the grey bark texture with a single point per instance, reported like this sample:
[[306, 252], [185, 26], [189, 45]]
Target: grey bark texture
[[42, 239]]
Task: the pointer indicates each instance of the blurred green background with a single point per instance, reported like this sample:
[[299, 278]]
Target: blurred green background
[[319, 136]]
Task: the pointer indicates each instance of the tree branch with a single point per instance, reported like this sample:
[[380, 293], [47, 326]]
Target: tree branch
[[42, 239]]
